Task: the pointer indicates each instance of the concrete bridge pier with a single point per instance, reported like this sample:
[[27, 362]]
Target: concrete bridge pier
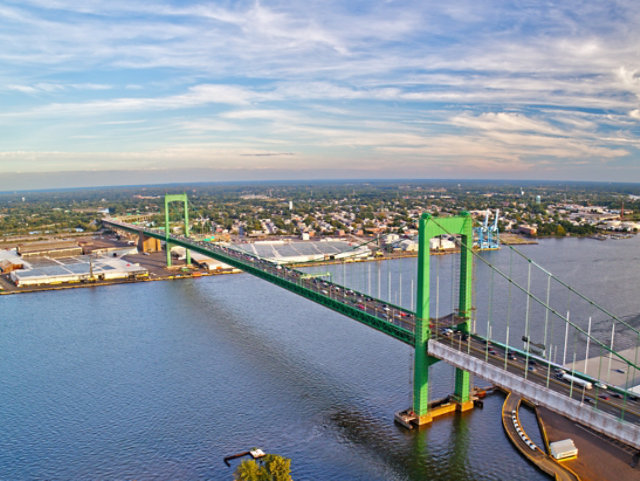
[[148, 244]]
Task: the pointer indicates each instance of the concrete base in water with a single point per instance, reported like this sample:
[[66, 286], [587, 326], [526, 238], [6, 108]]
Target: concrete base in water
[[465, 406], [409, 419]]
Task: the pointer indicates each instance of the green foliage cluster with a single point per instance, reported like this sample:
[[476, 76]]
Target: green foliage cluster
[[562, 228], [269, 468]]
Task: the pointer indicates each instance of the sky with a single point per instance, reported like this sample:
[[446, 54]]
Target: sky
[[136, 92]]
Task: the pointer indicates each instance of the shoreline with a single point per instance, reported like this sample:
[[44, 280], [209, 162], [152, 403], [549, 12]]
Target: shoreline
[[81, 285], [155, 264]]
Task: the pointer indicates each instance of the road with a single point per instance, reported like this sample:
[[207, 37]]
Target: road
[[537, 370]]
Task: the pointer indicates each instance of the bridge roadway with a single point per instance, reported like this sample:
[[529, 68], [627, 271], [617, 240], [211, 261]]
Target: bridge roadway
[[400, 323], [609, 400], [615, 416]]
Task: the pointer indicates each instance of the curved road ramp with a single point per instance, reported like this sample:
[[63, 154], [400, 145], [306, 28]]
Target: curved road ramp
[[513, 428]]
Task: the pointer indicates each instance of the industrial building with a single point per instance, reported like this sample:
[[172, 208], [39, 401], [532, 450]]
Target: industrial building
[[209, 263], [10, 261], [57, 248], [438, 244], [563, 450], [288, 251], [47, 270]]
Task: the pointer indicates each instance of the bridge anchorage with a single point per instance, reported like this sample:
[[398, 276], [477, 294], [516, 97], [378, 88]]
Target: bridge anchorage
[[540, 371]]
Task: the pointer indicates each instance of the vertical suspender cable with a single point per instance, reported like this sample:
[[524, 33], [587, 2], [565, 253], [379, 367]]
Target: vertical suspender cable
[[413, 307], [613, 333], [526, 313], [586, 355], [509, 299], [437, 292], [566, 334], [453, 283], [546, 320], [599, 376]]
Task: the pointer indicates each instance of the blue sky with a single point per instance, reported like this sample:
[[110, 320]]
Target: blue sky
[[128, 92]]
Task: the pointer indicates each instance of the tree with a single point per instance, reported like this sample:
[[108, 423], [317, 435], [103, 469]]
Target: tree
[[278, 468], [249, 470], [270, 468]]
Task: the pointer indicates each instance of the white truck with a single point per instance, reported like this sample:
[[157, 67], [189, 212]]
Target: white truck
[[576, 380]]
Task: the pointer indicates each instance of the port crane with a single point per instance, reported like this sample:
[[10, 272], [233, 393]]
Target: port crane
[[488, 236]]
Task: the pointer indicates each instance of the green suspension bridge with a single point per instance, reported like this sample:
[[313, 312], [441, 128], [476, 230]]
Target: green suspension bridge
[[534, 374]]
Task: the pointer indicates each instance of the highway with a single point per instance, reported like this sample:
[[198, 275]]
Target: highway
[[537, 370]]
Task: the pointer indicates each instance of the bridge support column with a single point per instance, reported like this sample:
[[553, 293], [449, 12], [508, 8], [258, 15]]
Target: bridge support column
[[423, 333], [462, 393], [167, 200], [148, 244], [430, 228]]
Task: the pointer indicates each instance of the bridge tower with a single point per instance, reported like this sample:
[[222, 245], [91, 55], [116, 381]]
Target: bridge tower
[[168, 198], [431, 227]]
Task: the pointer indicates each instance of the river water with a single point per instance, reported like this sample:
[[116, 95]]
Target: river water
[[161, 380]]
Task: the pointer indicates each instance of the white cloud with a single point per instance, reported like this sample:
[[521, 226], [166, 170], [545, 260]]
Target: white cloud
[[196, 96], [485, 84], [505, 121]]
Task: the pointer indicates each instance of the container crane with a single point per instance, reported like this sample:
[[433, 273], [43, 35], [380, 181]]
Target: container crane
[[487, 235]]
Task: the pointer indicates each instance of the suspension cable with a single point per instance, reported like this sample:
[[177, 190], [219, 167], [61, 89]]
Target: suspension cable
[[534, 297], [579, 294]]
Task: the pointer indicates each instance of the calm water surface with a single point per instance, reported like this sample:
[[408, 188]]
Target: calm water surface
[[161, 380]]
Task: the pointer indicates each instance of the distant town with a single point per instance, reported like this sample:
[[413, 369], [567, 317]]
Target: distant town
[[323, 209], [58, 238]]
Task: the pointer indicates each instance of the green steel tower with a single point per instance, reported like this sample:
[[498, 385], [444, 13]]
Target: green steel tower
[[431, 227], [168, 198]]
